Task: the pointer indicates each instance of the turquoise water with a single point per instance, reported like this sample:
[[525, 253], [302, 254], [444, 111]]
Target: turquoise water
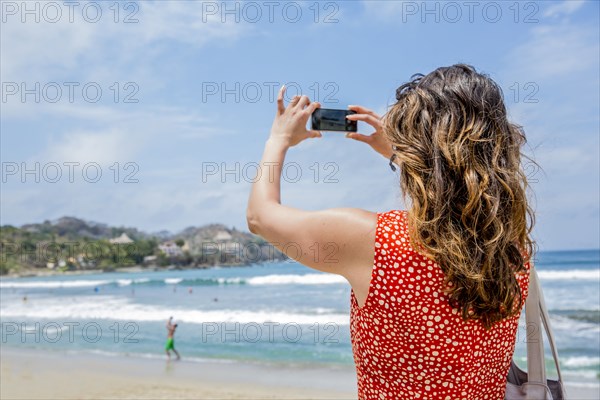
[[270, 313]]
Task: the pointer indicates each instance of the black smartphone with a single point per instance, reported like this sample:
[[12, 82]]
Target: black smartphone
[[328, 119]]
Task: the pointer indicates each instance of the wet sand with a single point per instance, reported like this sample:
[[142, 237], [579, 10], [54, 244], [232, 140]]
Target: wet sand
[[43, 374]]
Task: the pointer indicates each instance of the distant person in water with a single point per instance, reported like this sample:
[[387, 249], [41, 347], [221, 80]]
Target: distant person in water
[[170, 340]]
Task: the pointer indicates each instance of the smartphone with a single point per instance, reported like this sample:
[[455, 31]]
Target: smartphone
[[328, 119]]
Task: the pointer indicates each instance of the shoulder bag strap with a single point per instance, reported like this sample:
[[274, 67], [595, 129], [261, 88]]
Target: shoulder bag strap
[[536, 368], [546, 322]]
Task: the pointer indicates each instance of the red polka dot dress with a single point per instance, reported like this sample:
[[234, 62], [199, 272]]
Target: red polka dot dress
[[408, 343]]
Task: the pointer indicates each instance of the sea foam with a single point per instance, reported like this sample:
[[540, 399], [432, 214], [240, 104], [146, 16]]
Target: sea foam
[[115, 308]]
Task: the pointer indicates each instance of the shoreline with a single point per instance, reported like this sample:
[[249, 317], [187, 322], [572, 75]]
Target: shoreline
[[44, 374], [40, 374]]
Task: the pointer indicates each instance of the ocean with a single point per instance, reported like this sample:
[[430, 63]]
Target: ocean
[[275, 313]]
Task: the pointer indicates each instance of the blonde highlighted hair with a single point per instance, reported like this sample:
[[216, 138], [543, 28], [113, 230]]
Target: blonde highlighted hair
[[461, 167]]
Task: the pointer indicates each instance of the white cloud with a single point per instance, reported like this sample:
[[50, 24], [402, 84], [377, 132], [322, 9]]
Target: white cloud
[[563, 8], [185, 21], [555, 51], [388, 9], [148, 205], [560, 64], [33, 51], [103, 147], [105, 134], [579, 159], [562, 60]]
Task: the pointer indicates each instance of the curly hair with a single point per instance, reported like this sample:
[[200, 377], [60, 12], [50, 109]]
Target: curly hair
[[460, 165]]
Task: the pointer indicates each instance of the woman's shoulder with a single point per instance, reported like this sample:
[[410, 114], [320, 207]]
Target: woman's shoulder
[[392, 216], [392, 232], [397, 213], [393, 220]]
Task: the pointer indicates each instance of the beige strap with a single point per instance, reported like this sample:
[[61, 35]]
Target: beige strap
[[536, 315], [546, 324], [536, 368]]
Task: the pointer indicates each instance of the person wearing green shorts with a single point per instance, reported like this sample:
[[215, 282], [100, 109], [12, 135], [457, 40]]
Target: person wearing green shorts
[[170, 340]]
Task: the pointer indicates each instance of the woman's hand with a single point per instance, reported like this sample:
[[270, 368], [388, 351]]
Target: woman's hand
[[289, 126], [377, 139]]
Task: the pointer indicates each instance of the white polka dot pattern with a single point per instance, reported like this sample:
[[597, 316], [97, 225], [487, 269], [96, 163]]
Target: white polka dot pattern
[[408, 342]]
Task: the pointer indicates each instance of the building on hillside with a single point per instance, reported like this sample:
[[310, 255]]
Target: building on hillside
[[150, 260], [223, 236], [170, 249], [123, 239]]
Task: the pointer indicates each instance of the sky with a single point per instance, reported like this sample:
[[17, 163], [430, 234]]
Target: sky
[[153, 114]]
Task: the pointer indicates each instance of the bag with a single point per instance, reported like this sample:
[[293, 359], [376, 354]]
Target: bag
[[533, 385]]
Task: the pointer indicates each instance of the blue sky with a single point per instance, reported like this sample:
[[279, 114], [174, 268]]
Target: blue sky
[[174, 58]]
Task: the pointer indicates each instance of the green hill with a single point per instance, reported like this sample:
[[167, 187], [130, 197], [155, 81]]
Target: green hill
[[70, 243]]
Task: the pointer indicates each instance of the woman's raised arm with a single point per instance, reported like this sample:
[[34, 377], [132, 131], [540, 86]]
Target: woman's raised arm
[[339, 241]]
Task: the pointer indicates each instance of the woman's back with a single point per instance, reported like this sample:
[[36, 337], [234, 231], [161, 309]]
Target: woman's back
[[439, 322], [409, 343]]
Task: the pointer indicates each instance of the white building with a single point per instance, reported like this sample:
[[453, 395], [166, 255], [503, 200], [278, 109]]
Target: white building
[[123, 239], [222, 236], [170, 249]]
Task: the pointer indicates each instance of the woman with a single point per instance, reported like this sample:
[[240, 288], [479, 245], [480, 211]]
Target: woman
[[437, 289]]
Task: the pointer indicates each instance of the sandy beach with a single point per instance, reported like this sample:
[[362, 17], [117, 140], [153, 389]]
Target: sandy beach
[[43, 374], [31, 374]]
